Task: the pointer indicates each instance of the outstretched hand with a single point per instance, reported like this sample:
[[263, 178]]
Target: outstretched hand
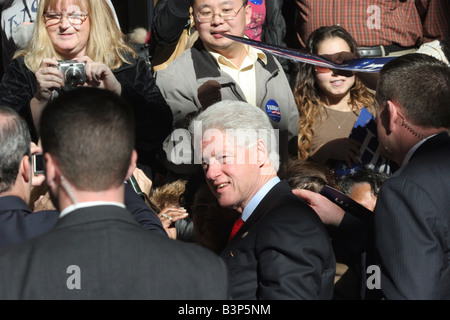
[[330, 213], [168, 216]]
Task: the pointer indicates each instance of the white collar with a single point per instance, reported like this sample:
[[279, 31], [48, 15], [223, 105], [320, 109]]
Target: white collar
[[73, 207], [414, 148]]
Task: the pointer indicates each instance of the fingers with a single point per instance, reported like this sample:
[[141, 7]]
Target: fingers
[[100, 75], [143, 181], [340, 57], [84, 59], [304, 194], [49, 62], [171, 214], [168, 216], [34, 148], [48, 78], [37, 180], [96, 71]]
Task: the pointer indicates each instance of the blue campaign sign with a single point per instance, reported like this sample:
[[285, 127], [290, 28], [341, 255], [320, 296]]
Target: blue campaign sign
[[365, 132], [370, 65]]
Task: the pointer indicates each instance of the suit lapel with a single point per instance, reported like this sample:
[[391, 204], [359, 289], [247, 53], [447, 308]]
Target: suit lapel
[[261, 210]]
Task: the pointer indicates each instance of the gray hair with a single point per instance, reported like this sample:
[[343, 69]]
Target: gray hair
[[242, 121], [14, 145]]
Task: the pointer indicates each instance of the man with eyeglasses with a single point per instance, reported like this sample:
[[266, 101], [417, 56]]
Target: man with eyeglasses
[[217, 68]]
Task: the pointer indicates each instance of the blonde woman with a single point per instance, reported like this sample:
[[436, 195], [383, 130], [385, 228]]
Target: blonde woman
[[85, 31], [329, 102]]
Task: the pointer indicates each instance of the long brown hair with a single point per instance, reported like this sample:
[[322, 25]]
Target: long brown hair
[[310, 102]]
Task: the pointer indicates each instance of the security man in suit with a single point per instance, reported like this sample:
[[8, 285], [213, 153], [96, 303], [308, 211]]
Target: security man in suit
[[17, 221], [410, 244], [96, 249]]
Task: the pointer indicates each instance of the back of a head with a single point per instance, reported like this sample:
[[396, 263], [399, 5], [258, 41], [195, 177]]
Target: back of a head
[[420, 84], [14, 145], [91, 134], [303, 174], [241, 120]]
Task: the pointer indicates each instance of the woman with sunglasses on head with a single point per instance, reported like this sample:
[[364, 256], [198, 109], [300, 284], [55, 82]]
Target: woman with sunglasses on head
[[329, 102], [85, 32]]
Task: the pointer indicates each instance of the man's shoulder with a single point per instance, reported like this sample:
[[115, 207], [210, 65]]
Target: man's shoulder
[[432, 154], [280, 202], [182, 62]]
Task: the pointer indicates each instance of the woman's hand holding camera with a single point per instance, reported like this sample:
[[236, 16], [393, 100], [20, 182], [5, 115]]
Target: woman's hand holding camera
[[100, 75], [48, 79]]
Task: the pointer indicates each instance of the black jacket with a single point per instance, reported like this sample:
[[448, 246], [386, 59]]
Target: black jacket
[[281, 252], [153, 115]]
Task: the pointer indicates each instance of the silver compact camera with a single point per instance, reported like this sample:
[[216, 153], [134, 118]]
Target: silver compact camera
[[74, 73]]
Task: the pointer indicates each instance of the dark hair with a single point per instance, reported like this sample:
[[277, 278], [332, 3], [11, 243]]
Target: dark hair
[[445, 44], [14, 145], [420, 84], [363, 175], [192, 2], [91, 133], [304, 174]]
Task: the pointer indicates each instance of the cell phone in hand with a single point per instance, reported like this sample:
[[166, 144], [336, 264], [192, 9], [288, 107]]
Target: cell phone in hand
[[38, 163]]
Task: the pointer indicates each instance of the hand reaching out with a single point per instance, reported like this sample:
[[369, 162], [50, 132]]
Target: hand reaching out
[[168, 216], [329, 212]]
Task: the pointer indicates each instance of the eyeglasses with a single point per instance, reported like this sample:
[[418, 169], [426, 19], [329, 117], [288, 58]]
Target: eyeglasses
[[225, 14], [75, 19]]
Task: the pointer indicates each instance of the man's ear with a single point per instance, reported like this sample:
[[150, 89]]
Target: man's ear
[[263, 153], [51, 169], [25, 169], [132, 166], [393, 115], [248, 13]]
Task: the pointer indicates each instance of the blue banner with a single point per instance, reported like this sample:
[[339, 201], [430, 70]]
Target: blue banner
[[370, 65]]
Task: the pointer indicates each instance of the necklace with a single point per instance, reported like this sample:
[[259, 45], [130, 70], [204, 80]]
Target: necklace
[[339, 125]]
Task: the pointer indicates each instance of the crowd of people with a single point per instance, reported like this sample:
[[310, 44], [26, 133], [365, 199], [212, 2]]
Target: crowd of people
[[181, 164]]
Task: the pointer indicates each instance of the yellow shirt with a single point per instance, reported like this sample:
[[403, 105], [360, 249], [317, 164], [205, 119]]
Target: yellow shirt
[[244, 76]]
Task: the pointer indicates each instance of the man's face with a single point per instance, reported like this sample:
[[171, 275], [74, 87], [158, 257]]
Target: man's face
[[232, 172], [208, 31]]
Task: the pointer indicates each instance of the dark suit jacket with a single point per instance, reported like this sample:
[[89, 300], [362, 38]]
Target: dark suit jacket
[[412, 225], [18, 222], [281, 252], [117, 259]]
